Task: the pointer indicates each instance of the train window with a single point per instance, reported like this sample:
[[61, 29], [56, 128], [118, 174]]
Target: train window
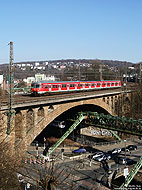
[[78, 85], [54, 86], [45, 85], [92, 85], [71, 85], [81, 85], [98, 84], [64, 86], [116, 83], [86, 84], [108, 84], [112, 84]]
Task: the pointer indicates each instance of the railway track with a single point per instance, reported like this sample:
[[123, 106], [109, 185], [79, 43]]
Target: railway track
[[21, 99]]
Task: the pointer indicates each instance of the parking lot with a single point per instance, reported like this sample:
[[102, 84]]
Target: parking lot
[[82, 168]]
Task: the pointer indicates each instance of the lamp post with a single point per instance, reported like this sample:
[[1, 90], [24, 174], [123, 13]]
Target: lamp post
[[61, 126], [125, 152], [125, 159], [37, 149], [44, 146]]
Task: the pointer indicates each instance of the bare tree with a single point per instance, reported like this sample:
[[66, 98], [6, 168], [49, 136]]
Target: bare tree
[[8, 169]]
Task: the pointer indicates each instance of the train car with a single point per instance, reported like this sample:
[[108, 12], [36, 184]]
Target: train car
[[46, 87]]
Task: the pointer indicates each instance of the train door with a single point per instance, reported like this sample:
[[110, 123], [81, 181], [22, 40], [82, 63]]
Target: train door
[[81, 86], [45, 87], [78, 86], [59, 87], [67, 86], [49, 87]]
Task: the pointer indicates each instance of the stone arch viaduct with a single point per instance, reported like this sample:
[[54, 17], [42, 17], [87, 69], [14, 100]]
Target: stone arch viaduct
[[31, 119]]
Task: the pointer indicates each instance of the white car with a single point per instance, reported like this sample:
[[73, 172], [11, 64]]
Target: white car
[[100, 158], [97, 154], [116, 151]]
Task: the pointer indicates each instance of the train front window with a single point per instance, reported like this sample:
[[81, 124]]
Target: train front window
[[37, 86], [33, 85]]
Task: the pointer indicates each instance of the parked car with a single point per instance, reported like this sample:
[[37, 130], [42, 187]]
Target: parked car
[[114, 151], [108, 156], [131, 147], [102, 157], [126, 161], [96, 154], [79, 150], [123, 149]]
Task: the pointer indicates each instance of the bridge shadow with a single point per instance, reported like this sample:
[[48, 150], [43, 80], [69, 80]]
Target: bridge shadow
[[91, 149]]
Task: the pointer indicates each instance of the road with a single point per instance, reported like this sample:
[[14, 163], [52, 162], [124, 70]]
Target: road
[[78, 172]]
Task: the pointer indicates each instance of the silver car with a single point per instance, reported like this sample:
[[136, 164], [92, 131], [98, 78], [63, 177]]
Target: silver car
[[116, 151], [97, 154], [101, 158]]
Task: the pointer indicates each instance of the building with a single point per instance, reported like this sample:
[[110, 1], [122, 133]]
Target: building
[[40, 77], [29, 80]]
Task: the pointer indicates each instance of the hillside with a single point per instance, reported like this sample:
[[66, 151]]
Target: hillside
[[69, 69]]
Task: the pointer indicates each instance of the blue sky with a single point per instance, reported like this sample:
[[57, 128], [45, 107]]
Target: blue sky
[[61, 29]]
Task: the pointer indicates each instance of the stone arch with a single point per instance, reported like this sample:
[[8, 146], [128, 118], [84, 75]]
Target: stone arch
[[58, 110], [50, 108], [40, 112]]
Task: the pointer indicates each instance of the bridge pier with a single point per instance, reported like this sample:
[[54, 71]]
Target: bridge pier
[[7, 141], [20, 133]]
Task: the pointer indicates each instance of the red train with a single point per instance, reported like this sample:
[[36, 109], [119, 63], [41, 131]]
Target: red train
[[45, 87]]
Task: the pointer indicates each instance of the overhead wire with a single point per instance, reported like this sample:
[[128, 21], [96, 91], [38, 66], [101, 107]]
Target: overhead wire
[[2, 47]]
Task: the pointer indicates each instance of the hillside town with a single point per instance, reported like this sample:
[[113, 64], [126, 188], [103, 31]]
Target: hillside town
[[25, 73]]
